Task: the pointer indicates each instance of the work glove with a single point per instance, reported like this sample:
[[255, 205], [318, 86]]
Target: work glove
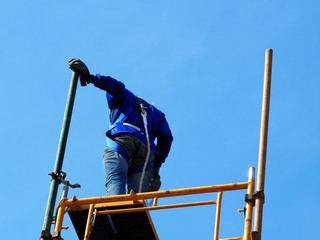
[[77, 65], [155, 183]]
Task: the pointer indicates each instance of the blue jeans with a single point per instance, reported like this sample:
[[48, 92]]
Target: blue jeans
[[116, 168]]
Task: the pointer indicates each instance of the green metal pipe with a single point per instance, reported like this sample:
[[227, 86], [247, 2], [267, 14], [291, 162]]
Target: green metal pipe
[[45, 235]]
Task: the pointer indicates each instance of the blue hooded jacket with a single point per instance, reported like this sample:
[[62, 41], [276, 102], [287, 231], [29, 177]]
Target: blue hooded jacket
[[125, 117]]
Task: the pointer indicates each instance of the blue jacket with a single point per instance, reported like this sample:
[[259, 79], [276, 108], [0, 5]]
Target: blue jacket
[[125, 117]]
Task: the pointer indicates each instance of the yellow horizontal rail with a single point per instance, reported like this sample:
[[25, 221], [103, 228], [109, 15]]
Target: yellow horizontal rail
[[156, 207], [236, 238], [160, 194]]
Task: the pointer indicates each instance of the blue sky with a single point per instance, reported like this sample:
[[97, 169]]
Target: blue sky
[[202, 63]]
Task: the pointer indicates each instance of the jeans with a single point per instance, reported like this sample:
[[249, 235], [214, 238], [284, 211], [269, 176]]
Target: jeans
[[116, 168]]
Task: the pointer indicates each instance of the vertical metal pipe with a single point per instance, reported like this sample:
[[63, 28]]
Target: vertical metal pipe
[[263, 141], [59, 158], [218, 213], [65, 191]]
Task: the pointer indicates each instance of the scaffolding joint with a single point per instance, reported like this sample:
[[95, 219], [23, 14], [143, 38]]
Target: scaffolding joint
[[45, 235], [56, 236], [60, 177], [251, 198]]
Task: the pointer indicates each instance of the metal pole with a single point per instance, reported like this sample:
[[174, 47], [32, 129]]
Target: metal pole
[[218, 213], [249, 206], [263, 142], [45, 234]]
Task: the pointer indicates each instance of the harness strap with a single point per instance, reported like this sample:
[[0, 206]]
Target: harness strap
[[139, 168], [145, 123], [126, 124]]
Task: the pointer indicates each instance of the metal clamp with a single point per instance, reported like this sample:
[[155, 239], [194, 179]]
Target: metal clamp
[[60, 176], [251, 198], [45, 235], [56, 236]]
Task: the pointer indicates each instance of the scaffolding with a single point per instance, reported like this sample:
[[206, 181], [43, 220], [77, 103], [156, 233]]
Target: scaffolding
[[93, 208], [89, 209]]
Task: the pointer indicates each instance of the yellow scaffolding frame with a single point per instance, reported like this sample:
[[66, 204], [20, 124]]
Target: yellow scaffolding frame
[[97, 202]]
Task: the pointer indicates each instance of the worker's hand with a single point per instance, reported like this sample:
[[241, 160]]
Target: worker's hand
[[78, 66], [155, 183]]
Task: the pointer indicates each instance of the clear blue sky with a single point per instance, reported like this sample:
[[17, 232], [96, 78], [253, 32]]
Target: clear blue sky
[[202, 63]]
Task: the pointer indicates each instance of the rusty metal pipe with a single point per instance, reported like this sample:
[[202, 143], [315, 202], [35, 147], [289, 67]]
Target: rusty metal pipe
[[263, 141]]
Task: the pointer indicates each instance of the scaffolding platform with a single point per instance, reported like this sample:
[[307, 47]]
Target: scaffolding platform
[[124, 217], [115, 226]]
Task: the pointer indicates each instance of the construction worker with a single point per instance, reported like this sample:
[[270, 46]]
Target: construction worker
[[131, 158]]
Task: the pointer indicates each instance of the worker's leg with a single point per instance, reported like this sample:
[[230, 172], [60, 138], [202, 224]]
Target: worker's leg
[[116, 169], [135, 178], [138, 152]]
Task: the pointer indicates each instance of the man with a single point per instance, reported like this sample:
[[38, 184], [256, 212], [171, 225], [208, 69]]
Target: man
[[131, 157]]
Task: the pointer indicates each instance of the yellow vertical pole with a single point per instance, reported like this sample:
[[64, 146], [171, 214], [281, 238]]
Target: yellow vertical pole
[[249, 207], [88, 227], [59, 218], [263, 141], [61, 210], [218, 212]]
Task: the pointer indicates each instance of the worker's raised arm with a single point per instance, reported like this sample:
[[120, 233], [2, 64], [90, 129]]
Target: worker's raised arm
[[108, 84]]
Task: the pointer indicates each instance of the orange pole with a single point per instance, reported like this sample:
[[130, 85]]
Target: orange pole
[[159, 194], [249, 207], [126, 210], [88, 226], [218, 213], [60, 216]]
